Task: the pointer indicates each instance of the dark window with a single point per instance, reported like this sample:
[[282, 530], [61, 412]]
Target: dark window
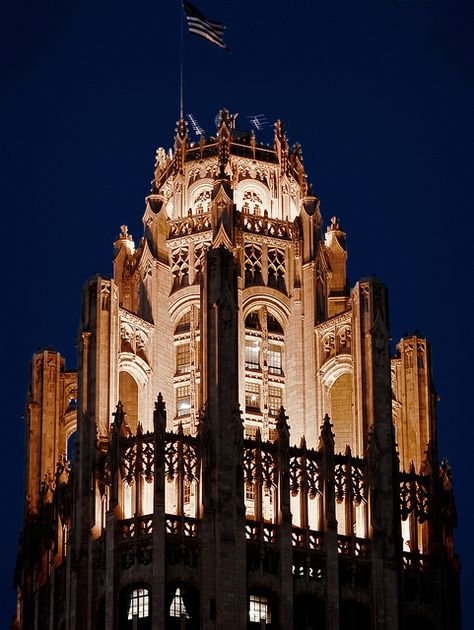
[[355, 616], [309, 613]]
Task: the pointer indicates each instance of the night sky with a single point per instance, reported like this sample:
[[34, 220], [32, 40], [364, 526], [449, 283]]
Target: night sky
[[378, 92]]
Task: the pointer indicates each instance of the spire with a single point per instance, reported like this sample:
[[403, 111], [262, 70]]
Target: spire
[[327, 436], [180, 143], [224, 136], [119, 416], [296, 160], [159, 415], [281, 146]]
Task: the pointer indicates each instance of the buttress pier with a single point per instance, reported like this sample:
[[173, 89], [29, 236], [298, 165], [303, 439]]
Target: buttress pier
[[238, 448]]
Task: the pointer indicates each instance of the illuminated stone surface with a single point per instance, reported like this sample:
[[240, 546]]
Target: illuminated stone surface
[[207, 485]]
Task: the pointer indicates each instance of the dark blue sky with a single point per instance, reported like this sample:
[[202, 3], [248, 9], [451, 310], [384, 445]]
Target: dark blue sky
[[379, 93]]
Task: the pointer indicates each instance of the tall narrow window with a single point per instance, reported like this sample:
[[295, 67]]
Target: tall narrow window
[[259, 610], [138, 604], [183, 401], [274, 400], [274, 359], [252, 396], [183, 358], [187, 492], [252, 354]]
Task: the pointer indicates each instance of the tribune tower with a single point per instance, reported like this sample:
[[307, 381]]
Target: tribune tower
[[237, 448]]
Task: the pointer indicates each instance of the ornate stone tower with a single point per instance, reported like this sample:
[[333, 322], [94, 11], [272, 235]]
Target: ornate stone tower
[[238, 448]]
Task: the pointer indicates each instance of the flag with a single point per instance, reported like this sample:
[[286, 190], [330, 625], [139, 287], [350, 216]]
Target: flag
[[199, 25]]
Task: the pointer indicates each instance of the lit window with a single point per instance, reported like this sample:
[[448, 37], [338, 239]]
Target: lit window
[[249, 491], [187, 492], [251, 432], [274, 400], [177, 608], [138, 604], [259, 610], [252, 354], [252, 395], [274, 359], [183, 401], [183, 358]]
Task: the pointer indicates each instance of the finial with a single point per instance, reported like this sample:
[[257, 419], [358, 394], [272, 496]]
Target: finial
[[160, 403], [124, 235], [159, 415], [180, 143], [279, 130], [119, 415], [282, 424], [326, 430], [181, 129], [334, 225]]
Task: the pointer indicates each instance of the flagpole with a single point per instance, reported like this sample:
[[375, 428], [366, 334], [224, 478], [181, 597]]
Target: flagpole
[[181, 108]]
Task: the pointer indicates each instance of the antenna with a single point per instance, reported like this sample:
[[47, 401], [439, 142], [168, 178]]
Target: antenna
[[198, 130], [258, 121]]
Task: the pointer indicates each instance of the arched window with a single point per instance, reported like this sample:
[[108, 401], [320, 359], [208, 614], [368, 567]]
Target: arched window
[[135, 610], [262, 610], [253, 264], [178, 607], [138, 604], [128, 396], [264, 345], [182, 607], [309, 612], [187, 350], [355, 616], [341, 413], [70, 447]]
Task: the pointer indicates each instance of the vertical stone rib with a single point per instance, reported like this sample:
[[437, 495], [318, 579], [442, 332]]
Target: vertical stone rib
[[223, 525]]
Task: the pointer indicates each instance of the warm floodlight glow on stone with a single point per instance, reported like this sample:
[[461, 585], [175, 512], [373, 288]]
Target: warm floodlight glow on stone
[[237, 448]]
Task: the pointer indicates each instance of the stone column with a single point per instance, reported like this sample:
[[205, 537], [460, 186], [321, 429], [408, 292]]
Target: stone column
[[375, 431], [223, 568], [284, 522], [159, 525], [326, 444]]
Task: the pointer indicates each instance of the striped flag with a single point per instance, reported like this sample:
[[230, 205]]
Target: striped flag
[[199, 25]]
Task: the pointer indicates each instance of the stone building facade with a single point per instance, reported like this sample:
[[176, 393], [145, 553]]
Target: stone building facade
[[237, 448]]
